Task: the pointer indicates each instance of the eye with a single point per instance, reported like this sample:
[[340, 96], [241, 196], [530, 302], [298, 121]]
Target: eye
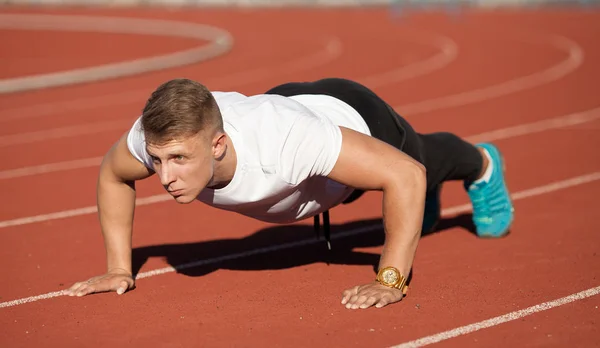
[[155, 159], [179, 157]]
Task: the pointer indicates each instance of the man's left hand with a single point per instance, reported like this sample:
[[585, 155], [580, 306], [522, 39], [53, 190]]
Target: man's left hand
[[365, 296]]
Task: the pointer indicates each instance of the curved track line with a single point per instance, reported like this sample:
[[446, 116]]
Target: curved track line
[[331, 50], [504, 133], [576, 55], [221, 42], [535, 191], [448, 53], [446, 45], [573, 61]]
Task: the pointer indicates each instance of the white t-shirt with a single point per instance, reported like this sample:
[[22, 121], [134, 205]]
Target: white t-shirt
[[285, 147]]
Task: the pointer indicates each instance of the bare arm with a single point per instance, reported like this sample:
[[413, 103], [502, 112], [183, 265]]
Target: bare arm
[[116, 204], [367, 163]]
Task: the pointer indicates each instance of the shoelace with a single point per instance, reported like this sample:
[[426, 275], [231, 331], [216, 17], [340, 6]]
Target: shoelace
[[488, 200], [326, 227]]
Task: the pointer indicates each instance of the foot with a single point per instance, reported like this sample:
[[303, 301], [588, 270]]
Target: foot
[[493, 212], [432, 211]]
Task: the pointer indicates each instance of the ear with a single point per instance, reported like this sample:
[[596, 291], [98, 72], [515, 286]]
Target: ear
[[219, 145]]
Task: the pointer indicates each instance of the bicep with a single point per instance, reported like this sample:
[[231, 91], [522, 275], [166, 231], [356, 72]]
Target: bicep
[[367, 163], [121, 165]]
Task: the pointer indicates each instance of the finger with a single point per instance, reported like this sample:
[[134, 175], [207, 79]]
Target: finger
[[348, 294], [384, 301], [73, 289], [351, 302], [83, 290], [75, 286], [369, 302], [123, 286], [359, 301]]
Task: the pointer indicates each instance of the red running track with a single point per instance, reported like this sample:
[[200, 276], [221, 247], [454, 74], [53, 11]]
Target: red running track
[[507, 70]]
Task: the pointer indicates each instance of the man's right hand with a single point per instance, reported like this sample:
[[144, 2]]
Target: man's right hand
[[116, 202], [115, 280]]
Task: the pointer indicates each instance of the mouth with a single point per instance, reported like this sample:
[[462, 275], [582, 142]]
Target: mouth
[[176, 193]]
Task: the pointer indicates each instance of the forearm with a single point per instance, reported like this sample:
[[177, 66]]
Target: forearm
[[116, 204], [403, 204]]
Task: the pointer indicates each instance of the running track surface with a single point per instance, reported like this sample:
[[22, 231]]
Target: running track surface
[[290, 296]]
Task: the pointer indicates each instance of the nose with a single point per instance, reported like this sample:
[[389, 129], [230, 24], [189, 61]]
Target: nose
[[166, 176]]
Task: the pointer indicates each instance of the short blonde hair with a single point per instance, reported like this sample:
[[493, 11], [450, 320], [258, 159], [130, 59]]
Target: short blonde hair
[[180, 108]]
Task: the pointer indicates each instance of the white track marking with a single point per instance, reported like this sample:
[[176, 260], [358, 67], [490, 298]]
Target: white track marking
[[445, 44], [503, 133], [448, 52], [77, 212], [50, 168], [536, 127], [333, 49], [463, 330], [62, 132], [220, 43], [536, 191], [565, 67]]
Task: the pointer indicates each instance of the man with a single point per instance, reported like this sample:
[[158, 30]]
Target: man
[[293, 153]]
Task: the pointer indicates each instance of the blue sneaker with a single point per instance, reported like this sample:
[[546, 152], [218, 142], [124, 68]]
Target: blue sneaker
[[433, 210], [493, 211]]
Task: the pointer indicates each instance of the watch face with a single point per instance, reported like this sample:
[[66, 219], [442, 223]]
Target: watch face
[[389, 276]]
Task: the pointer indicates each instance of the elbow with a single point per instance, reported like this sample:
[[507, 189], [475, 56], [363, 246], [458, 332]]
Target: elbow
[[413, 177], [408, 176], [418, 176]]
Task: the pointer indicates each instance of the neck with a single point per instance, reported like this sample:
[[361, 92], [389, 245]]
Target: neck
[[225, 166]]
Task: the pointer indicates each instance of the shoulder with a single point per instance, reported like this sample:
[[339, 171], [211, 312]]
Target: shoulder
[[261, 108], [136, 143]]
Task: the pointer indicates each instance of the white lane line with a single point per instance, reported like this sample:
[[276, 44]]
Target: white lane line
[[220, 43], [503, 133], [448, 51], [333, 49], [436, 103], [78, 212], [565, 67], [536, 191], [537, 127], [50, 168], [463, 330], [62, 132]]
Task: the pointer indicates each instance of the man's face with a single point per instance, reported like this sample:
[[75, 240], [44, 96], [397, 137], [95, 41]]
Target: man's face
[[184, 166]]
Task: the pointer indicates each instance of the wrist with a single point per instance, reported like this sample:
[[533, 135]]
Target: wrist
[[392, 277], [119, 270]]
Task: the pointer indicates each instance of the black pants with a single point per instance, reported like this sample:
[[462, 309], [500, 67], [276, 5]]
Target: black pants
[[444, 155]]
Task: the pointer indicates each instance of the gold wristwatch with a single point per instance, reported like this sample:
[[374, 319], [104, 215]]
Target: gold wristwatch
[[391, 277]]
